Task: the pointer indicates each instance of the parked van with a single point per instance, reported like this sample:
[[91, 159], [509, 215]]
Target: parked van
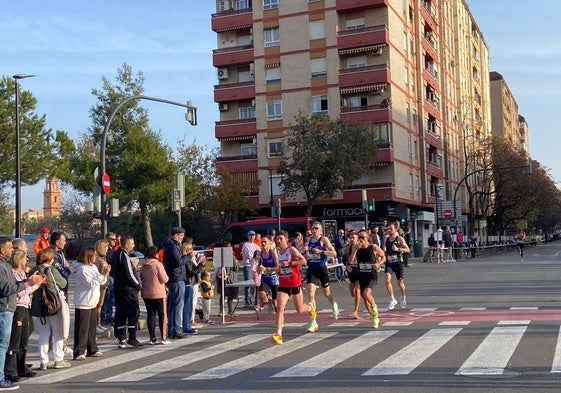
[[237, 232]]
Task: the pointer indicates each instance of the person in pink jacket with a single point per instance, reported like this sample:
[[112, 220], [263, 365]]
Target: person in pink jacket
[[154, 278]]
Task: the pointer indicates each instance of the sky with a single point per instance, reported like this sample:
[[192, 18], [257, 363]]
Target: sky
[[71, 45]]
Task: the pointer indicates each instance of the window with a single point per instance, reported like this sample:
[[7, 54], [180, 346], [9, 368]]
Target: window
[[317, 29], [274, 110], [270, 4], [382, 132], [273, 75], [241, 4], [319, 104], [275, 148], [272, 37], [356, 61], [410, 145], [319, 67], [356, 101], [357, 23], [247, 112], [248, 149]]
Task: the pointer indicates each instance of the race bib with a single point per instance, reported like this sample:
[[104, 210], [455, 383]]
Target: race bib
[[365, 267]]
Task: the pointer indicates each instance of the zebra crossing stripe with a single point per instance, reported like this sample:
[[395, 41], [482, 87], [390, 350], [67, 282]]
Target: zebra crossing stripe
[[183, 360], [336, 355], [556, 364], [129, 355], [493, 354], [258, 358], [410, 357]]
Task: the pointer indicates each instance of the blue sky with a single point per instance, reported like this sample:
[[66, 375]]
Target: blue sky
[[71, 45]]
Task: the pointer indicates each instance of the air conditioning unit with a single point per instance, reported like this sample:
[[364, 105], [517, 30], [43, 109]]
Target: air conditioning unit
[[253, 102], [378, 51], [223, 73], [225, 5], [223, 107]]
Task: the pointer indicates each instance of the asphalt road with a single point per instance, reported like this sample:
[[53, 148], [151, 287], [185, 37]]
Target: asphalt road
[[477, 325]]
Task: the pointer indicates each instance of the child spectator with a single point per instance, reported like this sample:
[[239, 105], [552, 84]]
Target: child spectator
[[207, 292]]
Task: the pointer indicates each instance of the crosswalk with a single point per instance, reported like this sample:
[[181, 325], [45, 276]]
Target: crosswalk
[[217, 354]]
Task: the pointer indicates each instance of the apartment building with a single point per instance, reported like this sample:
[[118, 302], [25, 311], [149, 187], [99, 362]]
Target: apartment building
[[415, 71]]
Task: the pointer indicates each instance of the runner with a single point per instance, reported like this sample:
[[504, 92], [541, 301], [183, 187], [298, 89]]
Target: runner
[[369, 257], [396, 246], [520, 239], [352, 271], [290, 281], [318, 249]]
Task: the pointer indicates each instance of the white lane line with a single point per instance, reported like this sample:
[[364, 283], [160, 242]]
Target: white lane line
[[183, 360], [259, 358], [493, 354], [410, 357], [129, 355], [336, 355], [556, 363]]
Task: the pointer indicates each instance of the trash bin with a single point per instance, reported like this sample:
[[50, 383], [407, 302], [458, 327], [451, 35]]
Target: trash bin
[[418, 248]]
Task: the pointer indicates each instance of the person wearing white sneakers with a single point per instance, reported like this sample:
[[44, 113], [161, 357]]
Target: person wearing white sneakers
[[290, 281], [318, 249], [369, 258], [396, 246]]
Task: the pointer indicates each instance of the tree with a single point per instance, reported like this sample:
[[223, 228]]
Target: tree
[[321, 157], [139, 162], [42, 152], [6, 223]]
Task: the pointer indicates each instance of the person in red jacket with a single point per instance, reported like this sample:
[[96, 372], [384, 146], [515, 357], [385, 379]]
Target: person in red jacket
[[42, 241]]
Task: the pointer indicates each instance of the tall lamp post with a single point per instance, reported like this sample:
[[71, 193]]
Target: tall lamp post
[[190, 116], [17, 77]]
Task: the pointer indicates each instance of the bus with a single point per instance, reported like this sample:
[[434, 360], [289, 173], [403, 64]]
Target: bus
[[236, 233]]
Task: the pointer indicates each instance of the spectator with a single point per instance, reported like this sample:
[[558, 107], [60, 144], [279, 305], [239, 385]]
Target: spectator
[[42, 240], [207, 292], [193, 271], [153, 292], [58, 242], [248, 250], [106, 317], [101, 247], [86, 298], [50, 325], [175, 269]]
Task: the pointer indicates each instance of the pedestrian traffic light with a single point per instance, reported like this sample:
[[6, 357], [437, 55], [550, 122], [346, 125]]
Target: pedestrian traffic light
[[402, 222], [371, 205]]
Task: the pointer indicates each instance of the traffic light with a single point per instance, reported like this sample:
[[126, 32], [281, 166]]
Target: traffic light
[[402, 222], [371, 205]]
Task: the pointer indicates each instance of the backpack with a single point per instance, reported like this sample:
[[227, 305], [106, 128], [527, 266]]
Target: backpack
[[50, 302]]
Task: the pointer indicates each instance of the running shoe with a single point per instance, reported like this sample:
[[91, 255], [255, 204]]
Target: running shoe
[[313, 326], [277, 338], [392, 304], [355, 314], [335, 310], [403, 303], [165, 341], [374, 318], [123, 344], [313, 312], [153, 341]]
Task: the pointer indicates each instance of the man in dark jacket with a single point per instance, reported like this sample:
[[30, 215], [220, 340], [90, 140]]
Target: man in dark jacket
[[175, 269], [8, 290], [125, 287]]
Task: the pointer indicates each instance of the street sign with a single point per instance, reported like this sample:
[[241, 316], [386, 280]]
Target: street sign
[[447, 214], [105, 184]]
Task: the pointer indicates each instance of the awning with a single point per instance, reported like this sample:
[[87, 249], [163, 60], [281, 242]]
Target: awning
[[229, 28], [237, 138], [371, 48], [363, 88]]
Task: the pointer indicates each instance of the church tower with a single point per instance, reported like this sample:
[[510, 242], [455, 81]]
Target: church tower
[[51, 198]]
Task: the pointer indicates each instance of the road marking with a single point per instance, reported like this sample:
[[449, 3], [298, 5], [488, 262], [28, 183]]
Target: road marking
[[514, 322], [183, 360], [258, 358], [556, 363], [473, 308], [129, 355], [493, 354], [397, 324], [410, 357], [336, 355], [454, 323], [523, 308]]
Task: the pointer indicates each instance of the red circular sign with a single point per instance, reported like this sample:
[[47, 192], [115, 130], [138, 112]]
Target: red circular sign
[[105, 184], [447, 213]]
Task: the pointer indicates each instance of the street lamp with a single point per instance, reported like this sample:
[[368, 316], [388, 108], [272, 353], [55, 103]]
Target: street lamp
[[18, 164]]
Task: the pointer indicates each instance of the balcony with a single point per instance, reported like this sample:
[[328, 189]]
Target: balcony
[[232, 20], [368, 75], [379, 113], [358, 5], [234, 55], [429, 14], [433, 139], [434, 170], [430, 45], [235, 129], [385, 154], [226, 92], [362, 40]]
